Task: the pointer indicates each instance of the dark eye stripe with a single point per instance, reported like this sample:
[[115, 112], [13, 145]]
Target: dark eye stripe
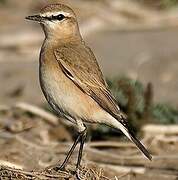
[[59, 17], [48, 18]]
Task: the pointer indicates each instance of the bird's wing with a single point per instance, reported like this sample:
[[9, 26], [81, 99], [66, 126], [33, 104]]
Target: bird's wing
[[83, 70]]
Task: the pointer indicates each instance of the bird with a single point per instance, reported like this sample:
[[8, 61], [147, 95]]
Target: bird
[[72, 81]]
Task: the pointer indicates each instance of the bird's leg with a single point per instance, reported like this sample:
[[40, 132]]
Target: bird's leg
[[80, 138], [82, 141], [62, 167]]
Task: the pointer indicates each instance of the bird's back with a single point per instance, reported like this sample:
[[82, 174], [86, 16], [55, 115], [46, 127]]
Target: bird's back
[[79, 56]]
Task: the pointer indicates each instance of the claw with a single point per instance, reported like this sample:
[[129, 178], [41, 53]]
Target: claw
[[55, 168], [78, 174], [59, 168]]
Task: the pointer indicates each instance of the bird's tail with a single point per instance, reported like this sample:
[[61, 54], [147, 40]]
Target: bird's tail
[[122, 124]]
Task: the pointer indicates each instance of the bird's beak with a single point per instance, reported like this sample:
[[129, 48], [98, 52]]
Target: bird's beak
[[34, 18]]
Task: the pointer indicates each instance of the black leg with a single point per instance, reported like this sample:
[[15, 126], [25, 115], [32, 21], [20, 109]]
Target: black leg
[[80, 138], [62, 167], [82, 141]]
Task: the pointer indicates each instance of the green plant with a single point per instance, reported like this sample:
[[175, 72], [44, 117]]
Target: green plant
[[3, 1], [169, 3], [165, 114], [159, 4]]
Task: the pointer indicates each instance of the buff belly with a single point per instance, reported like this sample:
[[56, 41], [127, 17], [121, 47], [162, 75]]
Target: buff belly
[[67, 99]]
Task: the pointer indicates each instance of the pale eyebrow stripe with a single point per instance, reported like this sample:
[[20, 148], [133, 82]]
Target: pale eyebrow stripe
[[49, 14]]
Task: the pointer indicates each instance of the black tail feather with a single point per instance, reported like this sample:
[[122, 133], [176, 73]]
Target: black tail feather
[[140, 146], [133, 138]]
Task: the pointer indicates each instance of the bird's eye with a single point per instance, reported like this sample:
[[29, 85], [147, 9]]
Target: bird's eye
[[59, 17]]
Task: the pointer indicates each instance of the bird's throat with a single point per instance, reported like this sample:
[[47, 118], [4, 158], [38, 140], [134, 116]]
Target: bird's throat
[[62, 35]]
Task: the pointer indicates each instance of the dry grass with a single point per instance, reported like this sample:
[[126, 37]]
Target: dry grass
[[27, 148]]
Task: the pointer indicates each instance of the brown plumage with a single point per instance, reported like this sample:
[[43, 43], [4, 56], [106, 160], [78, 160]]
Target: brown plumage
[[71, 79]]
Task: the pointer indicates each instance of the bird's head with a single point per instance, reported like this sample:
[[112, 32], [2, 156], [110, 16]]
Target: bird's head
[[58, 21]]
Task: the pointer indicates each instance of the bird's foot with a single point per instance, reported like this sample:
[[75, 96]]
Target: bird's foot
[[55, 168], [78, 174], [59, 168]]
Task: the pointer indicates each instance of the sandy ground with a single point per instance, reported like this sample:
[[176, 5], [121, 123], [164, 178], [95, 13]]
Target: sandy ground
[[31, 140]]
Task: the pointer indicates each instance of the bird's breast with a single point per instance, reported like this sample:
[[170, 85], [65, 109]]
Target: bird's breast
[[62, 94]]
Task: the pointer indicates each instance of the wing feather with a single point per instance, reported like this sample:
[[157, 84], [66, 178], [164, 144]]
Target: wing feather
[[84, 71]]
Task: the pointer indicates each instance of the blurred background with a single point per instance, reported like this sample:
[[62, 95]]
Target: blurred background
[[136, 45]]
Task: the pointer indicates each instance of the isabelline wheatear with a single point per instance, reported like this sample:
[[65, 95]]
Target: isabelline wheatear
[[71, 79]]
